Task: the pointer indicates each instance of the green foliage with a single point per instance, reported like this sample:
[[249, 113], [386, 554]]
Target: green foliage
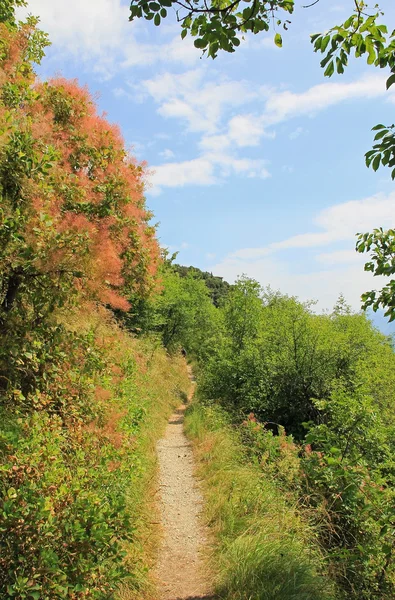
[[182, 314], [360, 34], [75, 409], [182, 309], [381, 245], [383, 152], [217, 25], [7, 11], [349, 478], [217, 286], [328, 380], [263, 549], [274, 355], [363, 35], [76, 457], [54, 470]]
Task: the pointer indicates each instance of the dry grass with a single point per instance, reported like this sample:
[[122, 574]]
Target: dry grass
[[156, 383]]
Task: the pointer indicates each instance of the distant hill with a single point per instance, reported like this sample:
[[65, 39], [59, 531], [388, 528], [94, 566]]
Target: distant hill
[[217, 286]]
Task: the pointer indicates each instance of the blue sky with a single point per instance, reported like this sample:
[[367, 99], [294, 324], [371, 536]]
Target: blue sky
[[256, 161]]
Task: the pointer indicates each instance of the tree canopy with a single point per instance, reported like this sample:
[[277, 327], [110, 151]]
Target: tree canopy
[[217, 286]]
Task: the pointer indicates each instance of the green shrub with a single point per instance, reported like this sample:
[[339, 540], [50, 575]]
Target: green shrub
[[263, 549]]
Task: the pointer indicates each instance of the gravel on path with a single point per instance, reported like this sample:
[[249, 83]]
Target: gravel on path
[[180, 568]]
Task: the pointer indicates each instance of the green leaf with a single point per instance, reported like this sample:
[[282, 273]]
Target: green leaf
[[390, 81], [278, 40], [11, 493], [330, 69], [157, 19], [377, 127], [325, 42], [376, 162], [372, 56], [200, 43], [380, 134]]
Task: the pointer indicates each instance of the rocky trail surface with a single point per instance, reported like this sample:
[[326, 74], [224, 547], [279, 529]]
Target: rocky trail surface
[[180, 571]]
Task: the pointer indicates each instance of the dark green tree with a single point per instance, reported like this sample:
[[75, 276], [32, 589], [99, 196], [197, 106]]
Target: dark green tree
[[218, 288]]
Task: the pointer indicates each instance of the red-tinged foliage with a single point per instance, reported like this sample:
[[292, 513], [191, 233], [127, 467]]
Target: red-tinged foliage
[[74, 230], [84, 208]]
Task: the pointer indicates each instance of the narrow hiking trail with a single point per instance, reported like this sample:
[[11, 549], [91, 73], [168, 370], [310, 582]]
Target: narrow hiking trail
[[180, 570]]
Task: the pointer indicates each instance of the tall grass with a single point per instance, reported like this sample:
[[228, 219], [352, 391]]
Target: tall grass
[[151, 384], [161, 384], [262, 548]]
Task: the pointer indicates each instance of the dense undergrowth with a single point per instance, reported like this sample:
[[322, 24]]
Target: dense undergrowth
[[262, 547], [74, 485], [295, 426], [324, 384], [81, 400], [310, 398]]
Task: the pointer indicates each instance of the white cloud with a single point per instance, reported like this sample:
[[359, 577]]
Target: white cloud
[[209, 169], [198, 171], [96, 25], [338, 223], [281, 106], [206, 106], [99, 34], [167, 154], [340, 257], [214, 143], [241, 166], [245, 130], [242, 131], [119, 92], [340, 271], [296, 133], [201, 104]]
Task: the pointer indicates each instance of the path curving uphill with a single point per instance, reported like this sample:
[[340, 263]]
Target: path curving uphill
[[180, 570]]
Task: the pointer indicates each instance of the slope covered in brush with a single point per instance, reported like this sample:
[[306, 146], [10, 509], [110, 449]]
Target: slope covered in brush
[[80, 399]]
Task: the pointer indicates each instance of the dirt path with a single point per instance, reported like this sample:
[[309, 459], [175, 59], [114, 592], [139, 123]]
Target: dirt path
[[180, 570]]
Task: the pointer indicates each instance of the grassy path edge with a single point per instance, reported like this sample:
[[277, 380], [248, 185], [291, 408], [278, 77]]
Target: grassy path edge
[[262, 547], [160, 384]]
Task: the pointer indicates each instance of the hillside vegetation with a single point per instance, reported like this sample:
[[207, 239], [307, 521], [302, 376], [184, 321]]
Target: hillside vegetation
[[293, 423], [310, 399], [81, 400]]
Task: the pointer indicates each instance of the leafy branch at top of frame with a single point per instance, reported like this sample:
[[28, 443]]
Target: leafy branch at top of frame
[[216, 24], [363, 35]]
